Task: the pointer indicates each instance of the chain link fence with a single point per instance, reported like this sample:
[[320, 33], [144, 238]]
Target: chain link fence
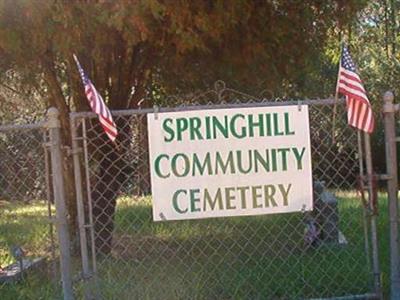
[[327, 253], [319, 254], [26, 230]]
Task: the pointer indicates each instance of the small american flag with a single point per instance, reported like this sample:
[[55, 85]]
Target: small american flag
[[97, 104], [359, 111]]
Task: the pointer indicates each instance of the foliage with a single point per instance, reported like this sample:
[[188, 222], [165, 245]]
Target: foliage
[[19, 104], [164, 47], [138, 49], [375, 43]]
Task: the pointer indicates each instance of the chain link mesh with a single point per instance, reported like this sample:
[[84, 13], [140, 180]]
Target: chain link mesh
[[289, 256], [22, 166], [24, 208]]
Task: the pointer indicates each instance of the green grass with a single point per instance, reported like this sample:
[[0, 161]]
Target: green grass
[[259, 257], [26, 225]]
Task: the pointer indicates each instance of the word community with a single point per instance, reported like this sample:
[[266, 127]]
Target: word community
[[234, 162]]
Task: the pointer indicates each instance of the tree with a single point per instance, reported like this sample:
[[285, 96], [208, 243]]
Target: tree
[[375, 44], [157, 47]]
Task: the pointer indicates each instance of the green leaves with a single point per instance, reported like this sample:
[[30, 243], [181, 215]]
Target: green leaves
[[179, 45]]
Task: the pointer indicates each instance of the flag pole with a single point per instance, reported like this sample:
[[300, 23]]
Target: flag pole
[[336, 100], [334, 116], [365, 208], [374, 238]]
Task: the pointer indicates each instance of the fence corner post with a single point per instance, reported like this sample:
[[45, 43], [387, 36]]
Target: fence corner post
[[53, 126], [389, 110]]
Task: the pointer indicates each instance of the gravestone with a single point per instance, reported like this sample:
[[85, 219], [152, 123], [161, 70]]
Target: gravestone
[[14, 272], [326, 213]]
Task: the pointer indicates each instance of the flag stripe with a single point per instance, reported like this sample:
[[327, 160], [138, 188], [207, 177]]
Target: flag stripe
[[350, 75], [106, 123], [359, 110], [354, 94], [98, 105], [109, 131], [353, 84]]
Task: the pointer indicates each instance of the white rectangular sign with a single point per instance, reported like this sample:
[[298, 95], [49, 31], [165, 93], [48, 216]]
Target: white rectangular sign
[[230, 162]]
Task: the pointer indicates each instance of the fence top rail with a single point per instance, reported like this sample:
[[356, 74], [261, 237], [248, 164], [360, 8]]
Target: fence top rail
[[125, 112], [15, 127]]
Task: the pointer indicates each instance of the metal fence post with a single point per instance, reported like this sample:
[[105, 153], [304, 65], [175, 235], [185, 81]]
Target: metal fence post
[[53, 125], [374, 231], [389, 110], [80, 207]]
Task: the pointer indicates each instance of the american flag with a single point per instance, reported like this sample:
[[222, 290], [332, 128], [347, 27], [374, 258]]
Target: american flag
[[97, 104], [359, 111]]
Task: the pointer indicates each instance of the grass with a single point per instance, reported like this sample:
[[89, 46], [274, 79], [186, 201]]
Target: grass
[[26, 225], [234, 258], [259, 257]]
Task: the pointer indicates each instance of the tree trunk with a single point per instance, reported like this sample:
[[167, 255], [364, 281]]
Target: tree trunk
[[112, 168], [110, 176], [57, 100]]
